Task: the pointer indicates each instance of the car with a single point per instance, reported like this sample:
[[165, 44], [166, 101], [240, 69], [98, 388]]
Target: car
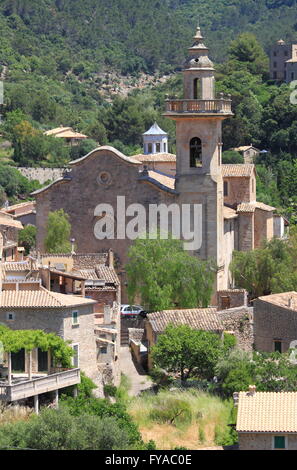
[[131, 310]]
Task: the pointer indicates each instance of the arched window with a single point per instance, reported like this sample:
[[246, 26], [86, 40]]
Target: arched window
[[195, 153], [197, 93]]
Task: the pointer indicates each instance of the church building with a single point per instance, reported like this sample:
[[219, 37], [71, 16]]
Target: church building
[[232, 219]]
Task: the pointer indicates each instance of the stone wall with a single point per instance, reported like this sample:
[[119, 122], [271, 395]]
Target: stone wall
[[240, 321], [263, 441], [239, 190], [237, 298], [42, 174], [272, 322], [59, 321], [246, 231], [80, 195]]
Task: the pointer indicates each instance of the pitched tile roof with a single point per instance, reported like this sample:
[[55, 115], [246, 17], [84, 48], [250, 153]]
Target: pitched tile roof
[[267, 412], [229, 213], [8, 221], [252, 206], [243, 148], [164, 180], [19, 266], [41, 298], [197, 318], [238, 170], [284, 299], [155, 157], [100, 272]]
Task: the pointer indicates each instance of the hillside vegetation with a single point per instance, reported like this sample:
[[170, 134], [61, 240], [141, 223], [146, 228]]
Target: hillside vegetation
[[64, 63]]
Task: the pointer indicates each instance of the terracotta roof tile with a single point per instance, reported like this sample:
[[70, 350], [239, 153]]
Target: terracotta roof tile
[[17, 266], [197, 318], [41, 298], [165, 180], [267, 412], [252, 206], [229, 213], [238, 170], [8, 221], [155, 157], [284, 299]]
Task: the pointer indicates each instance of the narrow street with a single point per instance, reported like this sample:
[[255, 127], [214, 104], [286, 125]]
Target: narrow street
[[139, 380]]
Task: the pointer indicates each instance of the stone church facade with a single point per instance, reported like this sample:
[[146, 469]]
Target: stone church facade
[[231, 217]]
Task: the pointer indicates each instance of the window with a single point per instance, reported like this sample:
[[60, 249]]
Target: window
[[278, 346], [275, 65], [150, 148], [292, 76], [279, 442], [165, 147], [274, 75], [75, 318], [286, 53], [275, 53], [197, 92], [158, 148], [226, 188], [75, 358], [10, 316], [103, 350], [195, 153]]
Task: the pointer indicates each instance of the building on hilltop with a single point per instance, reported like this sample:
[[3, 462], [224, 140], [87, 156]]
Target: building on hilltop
[[232, 219], [68, 134], [283, 61]]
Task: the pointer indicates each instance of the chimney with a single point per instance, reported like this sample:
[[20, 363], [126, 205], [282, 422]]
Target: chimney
[[110, 258], [291, 302], [252, 390], [72, 241]]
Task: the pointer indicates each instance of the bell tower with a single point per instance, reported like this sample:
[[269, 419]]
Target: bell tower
[[199, 116]]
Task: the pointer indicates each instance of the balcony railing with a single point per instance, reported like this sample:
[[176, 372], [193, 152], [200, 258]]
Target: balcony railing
[[217, 106], [48, 383]]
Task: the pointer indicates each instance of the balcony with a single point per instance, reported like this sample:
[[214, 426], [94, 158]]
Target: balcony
[[220, 106], [21, 387]]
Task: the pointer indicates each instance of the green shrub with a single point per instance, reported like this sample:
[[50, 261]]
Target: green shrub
[[110, 390], [172, 411]]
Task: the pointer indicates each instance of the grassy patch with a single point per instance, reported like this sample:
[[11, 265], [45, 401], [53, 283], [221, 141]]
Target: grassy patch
[[189, 418], [122, 393], [13, 413]]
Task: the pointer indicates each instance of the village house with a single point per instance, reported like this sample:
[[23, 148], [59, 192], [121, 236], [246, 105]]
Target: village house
[[283, 61], [105, 174], [29, 306], [275, 322], [249, 153], [9, 230], [71, 137], [88, 277], [24, 212], [266, 420], [205, 319]]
